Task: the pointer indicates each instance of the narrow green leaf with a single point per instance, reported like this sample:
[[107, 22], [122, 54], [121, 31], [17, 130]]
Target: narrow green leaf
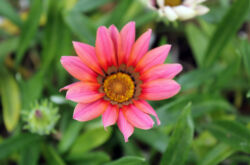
[[87, 5], [8, 46], [128, 160], [245, 51], [88, 140], [53, 36], [7, 11], [226, 29], [115, 17], [180, 141], [217, 154], [198, 42], [154, 138], [195, 78], [10, 100], [145, 18], [97, 158], [232, 133], [15, 143], [29, 95], [30, 155], [214, 104], [87, 31], [51, 156], [69, 136], [29, 28]]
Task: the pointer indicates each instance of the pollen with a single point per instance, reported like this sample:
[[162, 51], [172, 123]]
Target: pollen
[[172, 2], [119, 87]]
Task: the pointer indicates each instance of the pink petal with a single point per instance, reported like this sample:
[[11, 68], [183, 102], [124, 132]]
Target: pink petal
[[146, 108], [153, 57], [127, 39], [88, 56], [159, 89], [140, 48], [166, 71], [85, 112], [68, 86], [105, 51], [77, 68], [84, 92], [110, 116], [125, 127], [115, 36], [137, 118]]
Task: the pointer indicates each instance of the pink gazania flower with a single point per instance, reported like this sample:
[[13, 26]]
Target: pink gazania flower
[[117, 76]]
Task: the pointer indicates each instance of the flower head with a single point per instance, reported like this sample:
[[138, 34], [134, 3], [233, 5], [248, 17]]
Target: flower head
[[178, 9], [117, 76], [41, 118]]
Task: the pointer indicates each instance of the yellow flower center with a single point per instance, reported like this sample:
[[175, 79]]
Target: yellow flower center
[[119, 87], [172, 2]]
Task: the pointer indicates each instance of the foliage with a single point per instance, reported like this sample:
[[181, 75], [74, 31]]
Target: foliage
[[207, 123]]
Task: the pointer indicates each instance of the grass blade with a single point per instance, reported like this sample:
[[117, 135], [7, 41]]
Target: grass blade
[[7, 11], [181, 140], [226, 29], [15, 143], [29, 28]]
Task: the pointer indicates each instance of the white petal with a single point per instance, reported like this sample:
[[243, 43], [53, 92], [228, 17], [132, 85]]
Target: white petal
[[201, 10], [189, 2], [170, 13], [160, 3], [184, 12], [200, 1]]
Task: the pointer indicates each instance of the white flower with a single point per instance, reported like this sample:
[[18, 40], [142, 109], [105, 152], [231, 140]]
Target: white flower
[[178, 9]]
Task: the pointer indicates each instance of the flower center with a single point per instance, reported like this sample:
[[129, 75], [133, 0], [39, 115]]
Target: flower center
[[172, 2], [119, 87]]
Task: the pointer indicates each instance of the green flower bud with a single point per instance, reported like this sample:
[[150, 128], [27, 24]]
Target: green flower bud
[[41, 118]]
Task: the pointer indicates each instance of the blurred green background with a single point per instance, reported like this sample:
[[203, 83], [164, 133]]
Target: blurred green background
[[207, 123]]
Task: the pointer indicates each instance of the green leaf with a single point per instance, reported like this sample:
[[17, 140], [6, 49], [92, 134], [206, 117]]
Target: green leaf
[[51, 156], [128, 160], [15, 143], [145, 18], [29, 95], [87, 141], [245, 51], [154, 138], [226, 29], [30, 155], [217, 154], [198, 42], [29, 28], [69, 136], [213, 104], [115, 17], [195, 78], [10, 100], [97, 158], [87, 5], [232, 133], [8, 46], [87, 31], [180, 141], [53, 38], [7, 11]]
